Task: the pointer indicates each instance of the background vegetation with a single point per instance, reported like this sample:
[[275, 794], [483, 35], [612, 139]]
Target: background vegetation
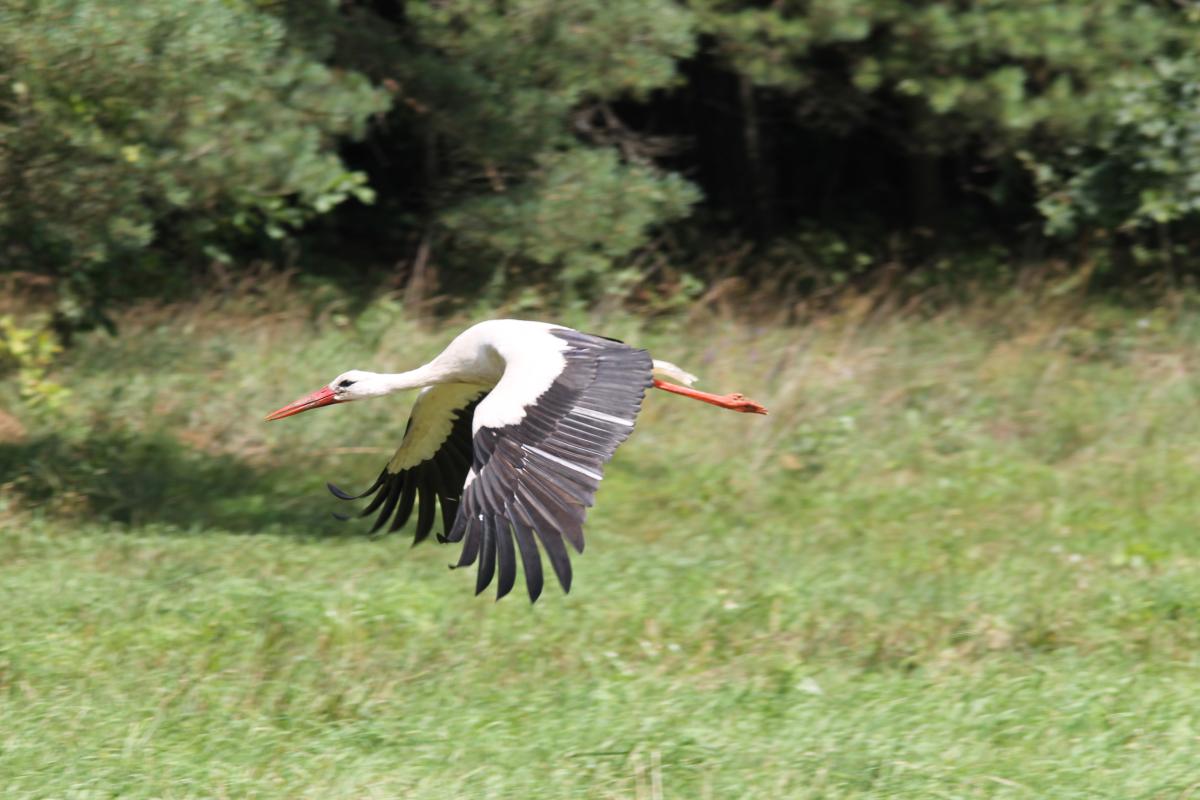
[[950, 245], [473, 148], [959, 559]]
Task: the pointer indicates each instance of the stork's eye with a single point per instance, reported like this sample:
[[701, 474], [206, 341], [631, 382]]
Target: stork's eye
[[345, 383]]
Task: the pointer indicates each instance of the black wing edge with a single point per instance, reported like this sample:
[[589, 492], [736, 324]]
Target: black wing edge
[[437, 481], [508, 503]]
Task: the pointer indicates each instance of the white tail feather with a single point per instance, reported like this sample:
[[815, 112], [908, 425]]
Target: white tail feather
[[666, 369]]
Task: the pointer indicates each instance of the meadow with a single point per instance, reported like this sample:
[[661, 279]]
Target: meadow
[[959, 559]]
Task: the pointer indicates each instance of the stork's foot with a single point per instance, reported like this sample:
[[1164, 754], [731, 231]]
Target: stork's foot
[[739, 402], [734, 402]]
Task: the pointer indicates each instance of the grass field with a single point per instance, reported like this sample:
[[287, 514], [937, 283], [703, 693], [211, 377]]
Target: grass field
[[959, 559]]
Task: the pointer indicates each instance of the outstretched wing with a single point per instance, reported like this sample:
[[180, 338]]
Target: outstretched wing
[[430, 465], [535, 478]]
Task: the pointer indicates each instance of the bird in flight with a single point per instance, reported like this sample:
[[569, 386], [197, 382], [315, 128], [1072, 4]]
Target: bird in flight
[[508, 436]]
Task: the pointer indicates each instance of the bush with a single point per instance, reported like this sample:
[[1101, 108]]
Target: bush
[[547, 142], [511, 159], [1095, 104], [29, 349], [134, 135], [577, 215]]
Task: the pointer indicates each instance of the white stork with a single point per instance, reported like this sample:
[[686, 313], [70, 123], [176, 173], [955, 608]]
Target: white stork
[[509, 435]]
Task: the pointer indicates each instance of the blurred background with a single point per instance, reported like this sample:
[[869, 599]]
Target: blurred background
[[951, 246]]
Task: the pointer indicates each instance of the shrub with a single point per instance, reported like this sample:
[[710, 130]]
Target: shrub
[[134, 135]]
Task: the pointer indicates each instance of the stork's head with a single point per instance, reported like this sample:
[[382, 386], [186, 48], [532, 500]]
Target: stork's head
[[353, 385]]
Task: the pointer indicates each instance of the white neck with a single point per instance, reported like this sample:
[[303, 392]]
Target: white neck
[[467, 359], [427, 375], [376, 384]]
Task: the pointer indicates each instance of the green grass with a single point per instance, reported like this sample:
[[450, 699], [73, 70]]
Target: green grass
[[960, 559]]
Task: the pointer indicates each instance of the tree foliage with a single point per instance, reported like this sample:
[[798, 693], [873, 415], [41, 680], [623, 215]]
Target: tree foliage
[[132, 131], [1095, 102], [523, 166], [549, 141]]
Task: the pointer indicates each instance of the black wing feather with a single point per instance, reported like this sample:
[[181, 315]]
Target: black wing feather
[[394, 488], [506, 557], [436, 481], [487, 554], [531, 562], [377, 500], [404, 510], [470, 549], [425, 512], [534, 480]]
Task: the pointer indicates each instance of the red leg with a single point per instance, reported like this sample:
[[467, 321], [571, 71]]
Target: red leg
[[734, 402]]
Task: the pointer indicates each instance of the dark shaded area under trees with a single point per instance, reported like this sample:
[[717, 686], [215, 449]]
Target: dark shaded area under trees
[[589, 148]]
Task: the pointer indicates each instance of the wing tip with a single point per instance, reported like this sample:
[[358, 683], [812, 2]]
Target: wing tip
[[337, 491]]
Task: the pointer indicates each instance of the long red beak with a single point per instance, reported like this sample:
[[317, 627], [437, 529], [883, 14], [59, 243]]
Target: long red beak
[[321, 397]]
